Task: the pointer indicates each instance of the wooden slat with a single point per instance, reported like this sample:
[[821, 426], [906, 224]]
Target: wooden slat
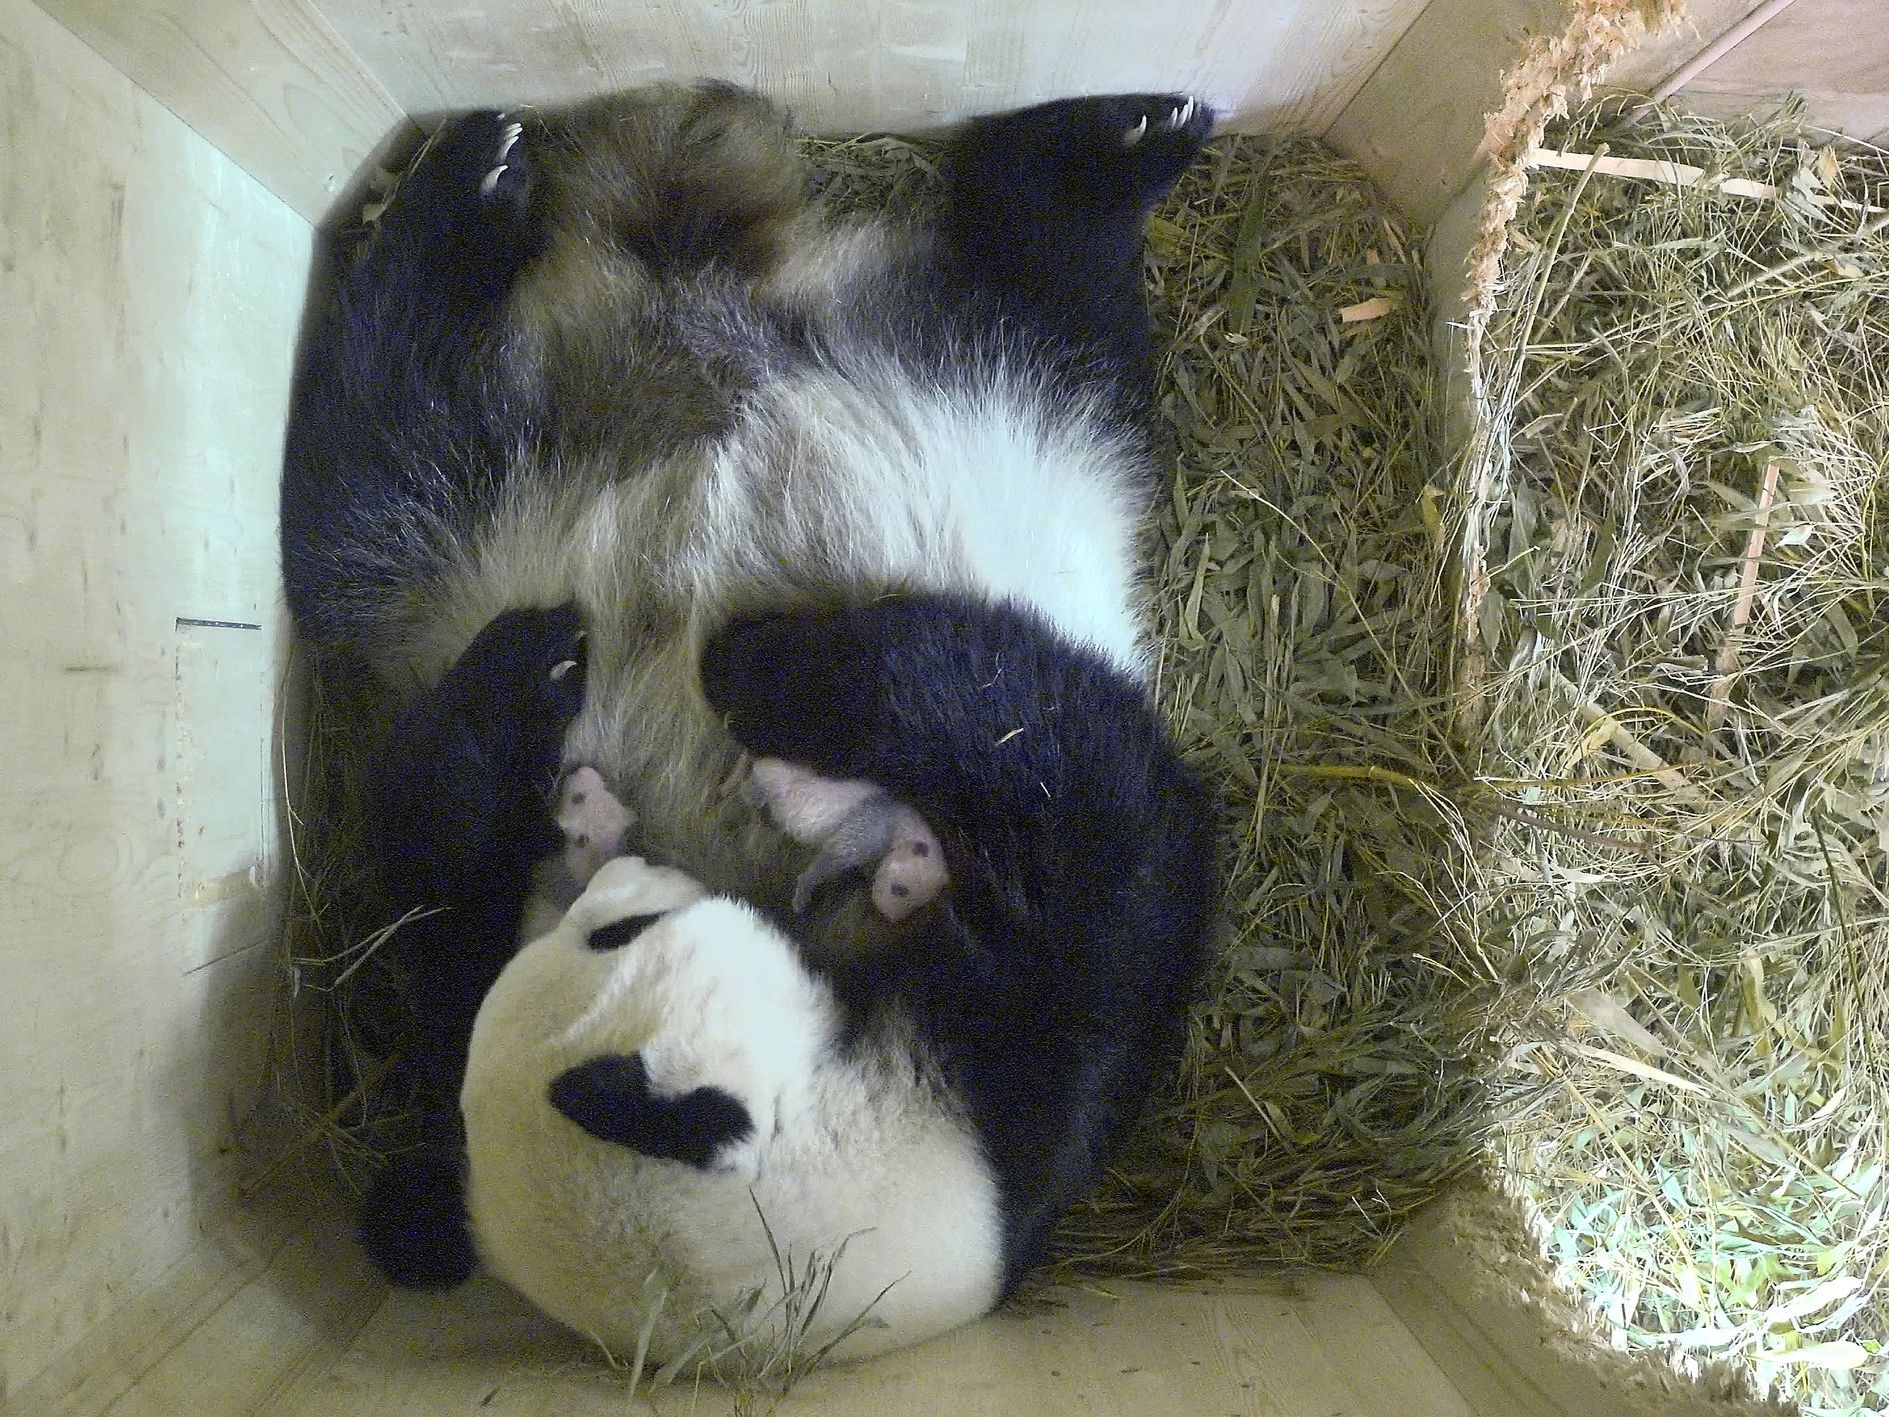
[[1662, 55], [1833, 52], [1326, 1345], [900, 64], [152, 293], [1467, 1282], [1418, 122], [267, 81]]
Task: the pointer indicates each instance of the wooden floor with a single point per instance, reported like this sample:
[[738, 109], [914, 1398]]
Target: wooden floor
[[1327, 1346]]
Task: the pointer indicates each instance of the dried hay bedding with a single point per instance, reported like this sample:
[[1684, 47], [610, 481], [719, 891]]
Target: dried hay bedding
[[1677, 662]]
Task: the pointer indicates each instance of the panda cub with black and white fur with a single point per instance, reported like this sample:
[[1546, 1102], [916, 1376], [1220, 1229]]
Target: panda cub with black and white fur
[[659, 1100], [609, 448]]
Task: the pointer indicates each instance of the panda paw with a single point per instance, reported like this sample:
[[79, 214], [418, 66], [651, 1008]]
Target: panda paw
[[414, 1225], [463, 208], [1174, 119], [506, 185], [1110, 151], [802, 685], [519, 685], [1142, 143]]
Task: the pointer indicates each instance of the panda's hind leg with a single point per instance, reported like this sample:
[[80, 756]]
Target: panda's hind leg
[[459, 224], [1040, 166], [1046, 210], [402, 415]]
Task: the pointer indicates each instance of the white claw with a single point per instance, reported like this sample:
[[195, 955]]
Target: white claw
[[561, 668], [1178, 118], [513, 131], [489, 183], [1136, 133]]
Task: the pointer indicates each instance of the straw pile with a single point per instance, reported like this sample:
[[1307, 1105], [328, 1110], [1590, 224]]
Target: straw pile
[[1330, 1088], [1681, 627]]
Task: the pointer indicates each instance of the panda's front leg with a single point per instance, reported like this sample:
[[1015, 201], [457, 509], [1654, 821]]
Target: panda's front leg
[[462, 787], [461, 816]]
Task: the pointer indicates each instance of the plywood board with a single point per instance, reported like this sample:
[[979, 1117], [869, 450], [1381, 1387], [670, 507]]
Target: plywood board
[[1468, 1281], [152, 292], [267, 81], [881, 64], [1833, 52], [1417, 124], [1322, 1346], [1662, 55]]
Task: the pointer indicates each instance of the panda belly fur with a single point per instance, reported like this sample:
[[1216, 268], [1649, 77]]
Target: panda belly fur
[[851, 1155], [826, 484]]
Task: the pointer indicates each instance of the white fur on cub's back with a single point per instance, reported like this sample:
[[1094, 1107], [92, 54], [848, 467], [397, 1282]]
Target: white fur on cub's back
[[848, 1152]]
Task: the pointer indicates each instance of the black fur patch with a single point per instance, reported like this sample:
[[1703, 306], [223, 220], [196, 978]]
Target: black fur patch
[[1054, 991], [619, 933], [413, 1222], [1054, 984], [610, 1098]]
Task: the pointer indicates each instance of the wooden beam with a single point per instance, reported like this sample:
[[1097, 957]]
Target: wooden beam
[[269, 82], [1417, 125]]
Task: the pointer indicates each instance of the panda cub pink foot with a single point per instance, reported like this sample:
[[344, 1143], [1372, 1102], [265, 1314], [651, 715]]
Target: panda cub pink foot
[[854, 824], [595, 825]]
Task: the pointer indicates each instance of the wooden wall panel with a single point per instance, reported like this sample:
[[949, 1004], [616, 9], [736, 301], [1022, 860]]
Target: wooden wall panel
[[1417, 123], [1312, 1347], [847, 65], [1834, 52], [267, 81], [151, 293]]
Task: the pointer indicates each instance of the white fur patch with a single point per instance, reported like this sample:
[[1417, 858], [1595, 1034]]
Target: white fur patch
[[847, 1151], [874, 478]]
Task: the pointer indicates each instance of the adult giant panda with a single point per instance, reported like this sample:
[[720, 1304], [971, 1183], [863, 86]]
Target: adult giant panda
[[610, 448]]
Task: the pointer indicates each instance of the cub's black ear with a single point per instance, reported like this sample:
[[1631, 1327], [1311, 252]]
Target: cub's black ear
[[609, 1097], [414, 1225]]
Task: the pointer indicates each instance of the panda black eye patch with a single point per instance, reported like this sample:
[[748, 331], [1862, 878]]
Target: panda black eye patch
[[620, 932]]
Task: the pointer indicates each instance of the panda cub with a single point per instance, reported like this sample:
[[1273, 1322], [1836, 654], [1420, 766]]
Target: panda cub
[[817, 541], [659, 1102]]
